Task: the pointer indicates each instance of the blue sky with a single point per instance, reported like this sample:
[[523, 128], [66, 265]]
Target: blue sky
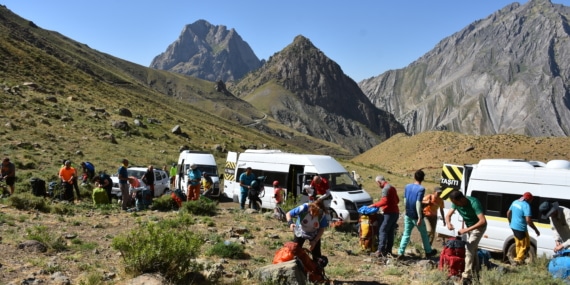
[[366, 38]]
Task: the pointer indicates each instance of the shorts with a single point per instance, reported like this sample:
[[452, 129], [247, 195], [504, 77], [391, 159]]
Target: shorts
[[10, 180]]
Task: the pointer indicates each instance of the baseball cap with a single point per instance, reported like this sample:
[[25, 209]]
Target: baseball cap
[[527, 196], [547, 208]]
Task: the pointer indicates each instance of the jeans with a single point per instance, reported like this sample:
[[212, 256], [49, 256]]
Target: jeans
[[242, 197], [409, 225], [386, 233], [125, 197]]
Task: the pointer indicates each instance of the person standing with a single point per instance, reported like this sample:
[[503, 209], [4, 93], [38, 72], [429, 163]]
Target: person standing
[[433, 202], [67, 175], [172, 175], [245, 180], [310, 225], [469, 208], [519, 216], [413, 196], [124, 185], [559, 221], [9, 174], [194, 179], [391, 212], [148, 179], [278, 193]]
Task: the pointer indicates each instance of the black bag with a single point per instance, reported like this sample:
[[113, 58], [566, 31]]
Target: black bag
[[38, 187]]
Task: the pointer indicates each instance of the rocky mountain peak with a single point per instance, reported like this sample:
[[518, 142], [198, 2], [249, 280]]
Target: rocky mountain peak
[[210, 52]]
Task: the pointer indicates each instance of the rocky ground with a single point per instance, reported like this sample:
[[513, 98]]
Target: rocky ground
[[89, 234]]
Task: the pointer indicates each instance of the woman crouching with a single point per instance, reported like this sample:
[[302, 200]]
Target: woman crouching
[[311, 223]]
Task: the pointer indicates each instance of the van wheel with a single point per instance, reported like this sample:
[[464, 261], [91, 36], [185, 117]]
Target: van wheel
[[512, 253]]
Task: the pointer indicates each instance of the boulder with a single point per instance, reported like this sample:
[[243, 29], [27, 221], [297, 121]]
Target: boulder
[[281, 273]]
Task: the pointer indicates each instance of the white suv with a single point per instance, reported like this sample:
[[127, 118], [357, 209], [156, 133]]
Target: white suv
[[161, 181]]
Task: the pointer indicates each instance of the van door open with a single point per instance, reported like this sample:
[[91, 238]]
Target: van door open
[[231, 187]]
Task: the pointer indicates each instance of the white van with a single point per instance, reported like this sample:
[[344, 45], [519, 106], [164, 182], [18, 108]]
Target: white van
[[497, 183], [205, 162], [293, 171]]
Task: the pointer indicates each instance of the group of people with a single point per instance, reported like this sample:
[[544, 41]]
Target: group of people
[[69, 178]]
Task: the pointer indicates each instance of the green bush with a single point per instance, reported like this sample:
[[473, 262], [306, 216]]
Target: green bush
[[62, 209], [201, 207], [41, 234], [227, 249], [155, 248], [164, 203], [27, 201]]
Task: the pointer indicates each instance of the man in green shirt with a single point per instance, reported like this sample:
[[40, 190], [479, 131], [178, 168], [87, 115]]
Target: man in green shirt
[[475, 225]]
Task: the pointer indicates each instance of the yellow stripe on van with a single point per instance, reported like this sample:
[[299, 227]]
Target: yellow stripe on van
[[506, 221]]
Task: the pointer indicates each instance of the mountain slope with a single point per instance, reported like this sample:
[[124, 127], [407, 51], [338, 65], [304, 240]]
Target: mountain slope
[[303, 89], [62, 99], [502, 74], [208, 52]]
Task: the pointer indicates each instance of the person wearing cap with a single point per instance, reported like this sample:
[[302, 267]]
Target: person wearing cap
[[391, 212], [559, 221], [172, 174], [245, 180], [519, 216], [277, 193], [432, 203], [194, 179], [470, 209]]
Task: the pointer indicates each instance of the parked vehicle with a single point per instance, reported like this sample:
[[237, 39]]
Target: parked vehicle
[[161, 181], [294, 171], [497, 183], [206, 163]]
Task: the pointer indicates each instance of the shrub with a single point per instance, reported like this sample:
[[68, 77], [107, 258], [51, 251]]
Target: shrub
[[227, 249], [202, 207], [62, 209], [164, 203], [41, 234], [27, 201], [156, 248]]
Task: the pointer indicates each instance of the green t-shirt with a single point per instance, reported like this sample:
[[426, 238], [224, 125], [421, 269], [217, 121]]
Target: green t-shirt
[[470, 211]]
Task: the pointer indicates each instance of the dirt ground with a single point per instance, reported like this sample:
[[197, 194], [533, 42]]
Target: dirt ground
[[17, 266]]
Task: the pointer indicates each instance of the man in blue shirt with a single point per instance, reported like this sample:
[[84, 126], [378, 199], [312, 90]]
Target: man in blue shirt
[[413, 196], [124, 185], [245, 180], [519, 216]]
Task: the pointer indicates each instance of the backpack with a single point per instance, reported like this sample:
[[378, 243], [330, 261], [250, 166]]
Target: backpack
[[559, 265], [452, 256], [178, 196], [100, 196], [90, 166], [38, 187], [313, 268], [368, 227], [103, 177], [286, 253]]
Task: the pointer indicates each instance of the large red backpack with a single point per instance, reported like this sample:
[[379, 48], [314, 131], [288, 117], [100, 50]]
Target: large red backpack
[[452, 256], [313, 268]]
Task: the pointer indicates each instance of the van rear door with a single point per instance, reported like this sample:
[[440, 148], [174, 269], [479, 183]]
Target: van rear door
[[451, 179], [231, 187]]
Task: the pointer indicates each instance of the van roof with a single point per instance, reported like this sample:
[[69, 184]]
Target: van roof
[[312, 162]]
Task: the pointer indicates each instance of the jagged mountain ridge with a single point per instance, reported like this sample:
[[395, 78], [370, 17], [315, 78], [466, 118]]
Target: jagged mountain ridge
[[302, 88], [208, 52], [506, 73]]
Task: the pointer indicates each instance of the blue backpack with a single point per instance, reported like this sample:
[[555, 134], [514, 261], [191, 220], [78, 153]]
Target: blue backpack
[[559, 265]]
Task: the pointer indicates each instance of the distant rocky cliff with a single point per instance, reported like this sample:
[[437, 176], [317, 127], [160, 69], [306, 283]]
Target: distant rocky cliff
[[300, 87], [208, 52], [507, 73]]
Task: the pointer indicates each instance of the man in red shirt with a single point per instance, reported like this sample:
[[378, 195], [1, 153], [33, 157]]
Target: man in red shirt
[[321, 186], [389, 206]]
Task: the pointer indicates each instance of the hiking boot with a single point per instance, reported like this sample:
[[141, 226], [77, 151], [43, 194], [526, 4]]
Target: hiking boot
[[377, 254], [400, 257], [432, 253]]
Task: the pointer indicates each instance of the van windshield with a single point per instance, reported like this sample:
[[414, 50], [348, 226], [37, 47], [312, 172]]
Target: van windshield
[[340, 182], [210, 169]]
